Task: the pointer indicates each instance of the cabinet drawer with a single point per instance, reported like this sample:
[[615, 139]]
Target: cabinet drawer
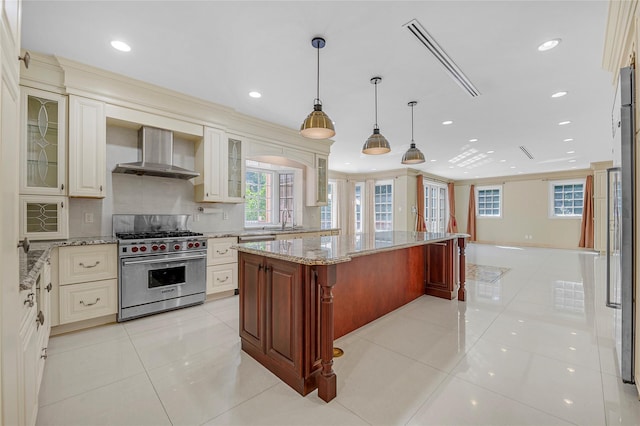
[[220, 251], [87, 263], [89, 300], [222, 278]]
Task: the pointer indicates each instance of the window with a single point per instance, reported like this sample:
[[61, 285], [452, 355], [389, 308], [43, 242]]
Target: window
[[435, 207], [383, 206], [359, 200], [270, 196], [566, 198], [489, 201], [328, 212]]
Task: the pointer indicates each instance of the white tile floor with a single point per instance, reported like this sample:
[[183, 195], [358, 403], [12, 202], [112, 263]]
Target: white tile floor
[[535, 348]]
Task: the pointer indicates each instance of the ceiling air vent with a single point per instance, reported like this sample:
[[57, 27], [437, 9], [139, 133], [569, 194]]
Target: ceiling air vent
[[527, 153], [452, 69]]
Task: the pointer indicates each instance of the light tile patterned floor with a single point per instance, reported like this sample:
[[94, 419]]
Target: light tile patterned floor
[[534, 347]]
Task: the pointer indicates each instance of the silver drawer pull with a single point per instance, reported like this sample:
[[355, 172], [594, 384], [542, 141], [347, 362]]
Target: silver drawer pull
[[89, 304], [44, 353], [222, 281], [29, 300], [90, 266], [222, 252]]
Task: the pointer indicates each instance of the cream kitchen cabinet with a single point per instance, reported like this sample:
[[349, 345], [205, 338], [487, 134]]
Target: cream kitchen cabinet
[[88, 283], [318, 181], [222, 265], [87, 147], [44, 217], [600, 225], [44, 140], [220, 162]]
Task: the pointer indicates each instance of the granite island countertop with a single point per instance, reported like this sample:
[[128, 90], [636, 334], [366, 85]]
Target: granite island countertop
[[264, 231], [341, 248], [31, 263]]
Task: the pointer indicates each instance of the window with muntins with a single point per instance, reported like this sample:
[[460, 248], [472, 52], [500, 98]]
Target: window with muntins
[[359, 199], [489, 201], [435, 207], [383, 206], [567, 198], [269, 197]]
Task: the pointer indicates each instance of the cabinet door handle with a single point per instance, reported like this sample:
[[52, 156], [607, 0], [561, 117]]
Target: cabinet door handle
[[222, 252], [89, 304], [62, 187], [207, 194], [24, 244], [39, 320], [224, 280], [44, 353], [100, 188], [268, 268], [29, 301], [62, 204], [260, 267], [89, 266], [49, 287]]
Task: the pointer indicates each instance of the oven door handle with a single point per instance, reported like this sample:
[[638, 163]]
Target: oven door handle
[[173, 260]]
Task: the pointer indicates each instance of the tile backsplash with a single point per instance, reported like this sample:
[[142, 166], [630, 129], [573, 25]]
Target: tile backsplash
[[130, 194]]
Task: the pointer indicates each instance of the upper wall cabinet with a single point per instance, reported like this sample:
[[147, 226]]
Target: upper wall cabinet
[[318, 181], [220, 162], [44, 138], [87, 147]]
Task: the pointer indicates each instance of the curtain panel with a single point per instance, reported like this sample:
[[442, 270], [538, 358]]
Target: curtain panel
[[421, 226], [452, 226], [471, 216], [586, 228]]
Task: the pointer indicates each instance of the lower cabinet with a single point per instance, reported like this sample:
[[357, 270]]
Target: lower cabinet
[[88, 282], [441, 269], [222, 265], [271, 317]]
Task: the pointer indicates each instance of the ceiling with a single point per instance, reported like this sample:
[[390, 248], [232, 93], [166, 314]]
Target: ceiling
[[220, 51]]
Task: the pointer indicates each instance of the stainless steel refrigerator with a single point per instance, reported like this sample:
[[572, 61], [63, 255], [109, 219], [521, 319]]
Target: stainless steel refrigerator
[[620, 219]]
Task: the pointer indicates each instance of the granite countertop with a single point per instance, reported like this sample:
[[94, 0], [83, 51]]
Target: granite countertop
[[31, 263], [264, 231], [341, 248]]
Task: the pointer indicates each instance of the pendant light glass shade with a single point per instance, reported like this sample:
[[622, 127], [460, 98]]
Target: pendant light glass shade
[[413, 154], [317, 125], [376, 144]]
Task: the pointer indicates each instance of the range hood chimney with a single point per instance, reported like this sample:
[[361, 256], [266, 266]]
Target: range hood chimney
[[155, 155]]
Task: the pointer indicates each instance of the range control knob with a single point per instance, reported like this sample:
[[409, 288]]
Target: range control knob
[[162, 247], [134, 249], [197, 244], [176, 247], [154, 247], [143, 248], [190, 245]]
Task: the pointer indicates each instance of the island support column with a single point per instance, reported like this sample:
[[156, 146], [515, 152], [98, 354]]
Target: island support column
[[462, 291], [327, 382]]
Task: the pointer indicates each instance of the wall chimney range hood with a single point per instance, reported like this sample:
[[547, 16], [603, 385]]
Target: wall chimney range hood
[[155, 155]]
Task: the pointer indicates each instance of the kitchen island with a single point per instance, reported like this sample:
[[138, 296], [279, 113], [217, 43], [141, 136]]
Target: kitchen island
[[296, 296]]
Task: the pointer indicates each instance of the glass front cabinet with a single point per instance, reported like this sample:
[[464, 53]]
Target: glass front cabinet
[[235, 170], [43, 218], [318, 182], [43, 134]]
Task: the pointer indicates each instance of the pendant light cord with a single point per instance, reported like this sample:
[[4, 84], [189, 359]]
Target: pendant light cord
[[318, 76], [412, 123], [376, 101]]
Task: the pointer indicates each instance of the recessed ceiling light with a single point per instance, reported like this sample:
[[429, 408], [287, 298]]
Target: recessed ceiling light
[[473, 140], [451, 167], [490, 152], [120, 45], [374, 169], [520, 173], [512, 167], [503, 161], [567, 140], [559, 94], [571, 152], [347, 164], [548, 45], [466, 173], [572, 161], [255, 94], [562, 123], [446, 123], [433, 161]]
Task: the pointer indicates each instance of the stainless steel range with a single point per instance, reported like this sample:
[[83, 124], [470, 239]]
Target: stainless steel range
[[162, 265]]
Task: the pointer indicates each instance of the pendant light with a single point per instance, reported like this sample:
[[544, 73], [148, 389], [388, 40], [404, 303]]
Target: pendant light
[[317, 125], [413, 154], [376, 144]]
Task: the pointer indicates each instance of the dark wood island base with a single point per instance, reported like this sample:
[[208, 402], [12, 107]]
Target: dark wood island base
[[291, 311]]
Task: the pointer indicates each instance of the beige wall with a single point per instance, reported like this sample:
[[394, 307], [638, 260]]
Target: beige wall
[[525, 211]]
